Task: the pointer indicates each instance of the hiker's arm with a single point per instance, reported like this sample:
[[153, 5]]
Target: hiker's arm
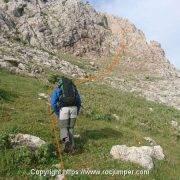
[[54, 102]]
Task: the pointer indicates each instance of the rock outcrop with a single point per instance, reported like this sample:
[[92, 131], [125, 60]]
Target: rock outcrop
[[69, 25], [140, 155], [34, 61], [74, 26]]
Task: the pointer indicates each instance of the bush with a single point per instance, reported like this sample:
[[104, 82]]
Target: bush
[[22, 156], [4, 141], [6, 1], [104, 22], [45, 154], [101, 117]]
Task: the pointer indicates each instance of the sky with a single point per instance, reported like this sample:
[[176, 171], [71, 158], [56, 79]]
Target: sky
[[158, 19]]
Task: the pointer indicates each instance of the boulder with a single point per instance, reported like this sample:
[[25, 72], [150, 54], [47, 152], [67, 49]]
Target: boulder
[[140, 155], [30, 141]]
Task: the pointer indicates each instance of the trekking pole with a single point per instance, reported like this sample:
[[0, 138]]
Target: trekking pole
[[56, 141]]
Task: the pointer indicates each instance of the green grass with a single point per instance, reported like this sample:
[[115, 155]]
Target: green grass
[[22, 111]]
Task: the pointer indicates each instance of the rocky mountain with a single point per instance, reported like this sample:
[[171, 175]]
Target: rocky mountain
[[35, 32], [70, 25]]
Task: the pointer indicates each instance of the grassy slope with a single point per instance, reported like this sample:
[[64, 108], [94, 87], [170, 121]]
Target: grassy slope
[[21, 111]]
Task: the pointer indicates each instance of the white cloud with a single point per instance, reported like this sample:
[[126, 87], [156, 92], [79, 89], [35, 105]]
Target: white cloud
[[159, 19]]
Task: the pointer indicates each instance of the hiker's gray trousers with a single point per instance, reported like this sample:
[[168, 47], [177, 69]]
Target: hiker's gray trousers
[[67, 119]]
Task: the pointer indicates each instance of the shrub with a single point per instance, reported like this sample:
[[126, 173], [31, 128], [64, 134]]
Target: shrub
[[45, 154], [4, 141], [6, 1], [104, 22], [22, 156], [101, 117]]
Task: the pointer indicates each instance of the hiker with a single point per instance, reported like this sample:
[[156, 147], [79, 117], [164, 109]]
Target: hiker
[[66, 103]]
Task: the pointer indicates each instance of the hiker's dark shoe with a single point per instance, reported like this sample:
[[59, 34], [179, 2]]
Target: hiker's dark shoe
[[73, 151], [67, 147]]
